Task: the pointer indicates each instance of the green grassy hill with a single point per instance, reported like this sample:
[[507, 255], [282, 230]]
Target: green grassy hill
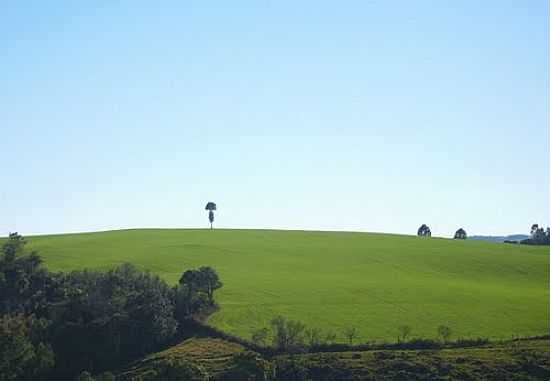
[[330, 280]]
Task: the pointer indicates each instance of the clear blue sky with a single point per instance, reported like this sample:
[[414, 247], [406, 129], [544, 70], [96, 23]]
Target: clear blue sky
[[348, 115]]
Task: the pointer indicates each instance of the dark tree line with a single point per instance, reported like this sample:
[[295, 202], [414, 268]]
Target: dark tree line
[[539, 236], [53, 326]]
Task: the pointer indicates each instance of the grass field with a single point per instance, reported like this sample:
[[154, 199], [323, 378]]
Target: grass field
[[375, 282]]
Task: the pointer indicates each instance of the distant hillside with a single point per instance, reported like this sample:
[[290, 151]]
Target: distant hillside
[[499, 239], [334, 280]]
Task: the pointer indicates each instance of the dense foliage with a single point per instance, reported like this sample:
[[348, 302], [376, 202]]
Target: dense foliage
[[54, 326], [539, 236]]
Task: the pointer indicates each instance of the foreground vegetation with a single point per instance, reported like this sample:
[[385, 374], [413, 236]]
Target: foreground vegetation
[[332, 281], [55, 325], [215, 359]]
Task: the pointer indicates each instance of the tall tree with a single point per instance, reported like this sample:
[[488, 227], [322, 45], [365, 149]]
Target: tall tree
[[210, 206]]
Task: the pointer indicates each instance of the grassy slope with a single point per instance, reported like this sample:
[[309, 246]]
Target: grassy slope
[[373, 281], [213, 355]]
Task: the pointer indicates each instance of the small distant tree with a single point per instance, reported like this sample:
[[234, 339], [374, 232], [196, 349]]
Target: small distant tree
[[313, 336], [330, 337], [460, 234], [444, 333], [259, 336], [424, 231], [350, 333], [287, 333], [211, 207], [403, 333]]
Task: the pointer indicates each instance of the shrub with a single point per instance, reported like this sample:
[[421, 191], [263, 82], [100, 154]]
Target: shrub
[[248, 366], [444, 333]]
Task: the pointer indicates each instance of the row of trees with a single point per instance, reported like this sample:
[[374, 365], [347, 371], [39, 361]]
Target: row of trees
[[539, 236], [292, 335], [55, 325], [424, 231]]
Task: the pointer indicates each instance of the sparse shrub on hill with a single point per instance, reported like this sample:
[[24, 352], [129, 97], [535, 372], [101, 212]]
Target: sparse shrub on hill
[[177, 370], [350, 333], [313, 336], [288, 335], [444, 333], [248, 366], [260, 336], [330, 337], [403, 333]]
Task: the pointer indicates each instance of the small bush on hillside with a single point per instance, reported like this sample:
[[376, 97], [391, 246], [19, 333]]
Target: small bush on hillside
[[444, 333], [259, 336], [286, 370], [248, 366], [177, 369], [288, 334], [403, 333]]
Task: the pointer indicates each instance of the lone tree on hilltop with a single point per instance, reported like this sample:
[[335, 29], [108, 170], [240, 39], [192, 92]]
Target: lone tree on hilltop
[[424, 231], [461, 234], [211, 206]]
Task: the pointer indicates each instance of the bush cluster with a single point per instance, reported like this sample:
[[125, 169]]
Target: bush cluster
[[55, 325]]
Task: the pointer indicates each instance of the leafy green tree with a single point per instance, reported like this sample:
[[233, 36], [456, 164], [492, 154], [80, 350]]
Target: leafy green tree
[[204, 280], [210, 281], [211, 207], [23, 279], [111, 317], [23, 353]]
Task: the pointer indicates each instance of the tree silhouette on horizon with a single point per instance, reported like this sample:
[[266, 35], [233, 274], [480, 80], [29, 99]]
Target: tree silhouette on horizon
[[210, 206]]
